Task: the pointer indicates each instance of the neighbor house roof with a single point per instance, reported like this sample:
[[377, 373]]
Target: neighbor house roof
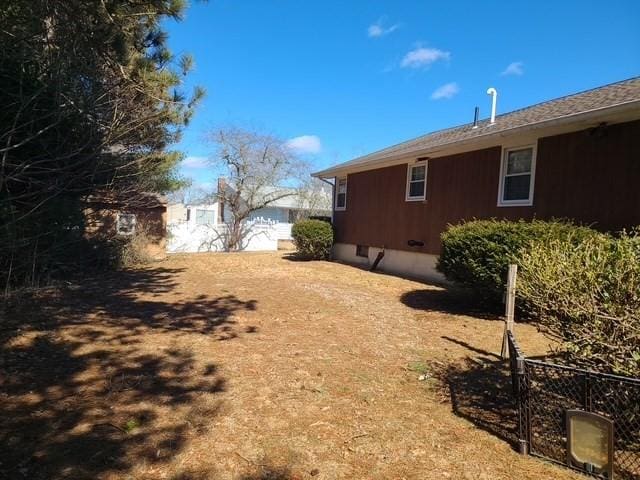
[[141, 200], [297, 199], [624, 95], [291, 200]]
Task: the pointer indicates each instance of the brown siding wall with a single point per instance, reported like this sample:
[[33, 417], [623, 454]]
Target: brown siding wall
[[100, 222], [590, 176]]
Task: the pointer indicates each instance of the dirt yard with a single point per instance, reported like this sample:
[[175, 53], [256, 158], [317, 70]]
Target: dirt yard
[[255, 366]]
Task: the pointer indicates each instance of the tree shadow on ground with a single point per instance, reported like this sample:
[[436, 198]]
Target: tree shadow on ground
[[298, 257], [270, 473], [450, 300], [87, 388], [480, 390], [263, 471]]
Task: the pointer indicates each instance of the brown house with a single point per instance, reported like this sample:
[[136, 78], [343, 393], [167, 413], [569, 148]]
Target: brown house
[[142, 217], [574, 157]]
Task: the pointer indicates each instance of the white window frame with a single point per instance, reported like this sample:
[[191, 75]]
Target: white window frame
[[503, 174], [346, 189], [133, 231], [410, 168]]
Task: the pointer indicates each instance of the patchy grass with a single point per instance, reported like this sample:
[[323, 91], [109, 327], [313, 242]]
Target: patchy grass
[[131, 425], [252, 366], [420, 367]]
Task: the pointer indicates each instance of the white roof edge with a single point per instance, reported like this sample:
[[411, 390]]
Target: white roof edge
[[377, 162]]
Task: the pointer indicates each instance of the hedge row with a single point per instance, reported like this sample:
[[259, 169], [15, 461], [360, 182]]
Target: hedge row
[[582, 285], [477, 254], [588, 296]]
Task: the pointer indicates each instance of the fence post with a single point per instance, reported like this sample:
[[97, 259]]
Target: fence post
[[510, 303], [586, 392], [523, 406]]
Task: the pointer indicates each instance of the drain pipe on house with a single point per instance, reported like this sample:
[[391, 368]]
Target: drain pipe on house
[[377, 260], [333, 194], [380, 255]]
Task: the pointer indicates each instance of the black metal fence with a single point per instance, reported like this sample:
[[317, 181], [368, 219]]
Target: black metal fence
[[545, 391]]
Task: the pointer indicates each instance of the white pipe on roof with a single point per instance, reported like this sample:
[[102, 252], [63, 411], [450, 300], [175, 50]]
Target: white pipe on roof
[[494, 93]]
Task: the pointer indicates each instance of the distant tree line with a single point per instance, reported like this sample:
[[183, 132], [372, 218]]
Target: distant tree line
[[91, 102]]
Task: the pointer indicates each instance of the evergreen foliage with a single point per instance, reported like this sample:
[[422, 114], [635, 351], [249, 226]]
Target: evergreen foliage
[[92, 102]]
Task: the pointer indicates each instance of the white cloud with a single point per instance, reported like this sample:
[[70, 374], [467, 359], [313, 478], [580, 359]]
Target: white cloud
[[378, 29], [514, 68], [305, 144], [195, 162], [423, 57], [446, 91]]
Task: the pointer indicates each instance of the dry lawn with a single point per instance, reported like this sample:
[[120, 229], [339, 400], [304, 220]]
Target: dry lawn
[[254, 366]]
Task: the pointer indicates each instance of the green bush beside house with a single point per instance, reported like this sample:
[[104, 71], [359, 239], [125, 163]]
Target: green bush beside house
[[313, 239], [581, 285], [587, 295], [477, 253]]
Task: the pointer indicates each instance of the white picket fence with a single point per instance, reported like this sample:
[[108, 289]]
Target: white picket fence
[[283, 231], [190, 238]]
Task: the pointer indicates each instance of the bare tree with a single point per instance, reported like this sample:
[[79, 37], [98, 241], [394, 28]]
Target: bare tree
[[192, 194], [259, 169], [314, 198]]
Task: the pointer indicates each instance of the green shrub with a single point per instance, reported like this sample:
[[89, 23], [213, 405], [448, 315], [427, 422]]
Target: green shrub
[[477, 254], [588, 295], [313, 238], [581, 285]]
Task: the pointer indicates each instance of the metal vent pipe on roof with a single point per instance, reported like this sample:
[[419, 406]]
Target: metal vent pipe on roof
[[494, 93], [476, 113]]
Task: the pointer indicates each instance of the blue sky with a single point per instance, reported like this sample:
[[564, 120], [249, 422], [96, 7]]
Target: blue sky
[[351, 77]]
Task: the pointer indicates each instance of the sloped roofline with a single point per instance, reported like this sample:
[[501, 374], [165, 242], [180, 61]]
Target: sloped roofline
[[486, 132]]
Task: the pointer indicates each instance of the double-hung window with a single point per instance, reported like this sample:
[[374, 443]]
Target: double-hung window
[[517, 174], [341, 193], [417, 182]]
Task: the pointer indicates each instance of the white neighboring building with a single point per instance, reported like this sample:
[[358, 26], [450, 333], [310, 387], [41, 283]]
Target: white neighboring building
[[199, 214], [285, 211], [202, 228], [196, 228]]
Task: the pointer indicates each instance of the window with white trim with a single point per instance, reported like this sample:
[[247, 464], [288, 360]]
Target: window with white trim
[[417, 182], [126, 224], [517, 174], [341, 193]]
